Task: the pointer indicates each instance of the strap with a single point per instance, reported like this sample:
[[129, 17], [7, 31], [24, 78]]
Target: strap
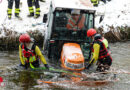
[[32, 67], [105, 51], [33, 48], [24, 47], [79, 19]]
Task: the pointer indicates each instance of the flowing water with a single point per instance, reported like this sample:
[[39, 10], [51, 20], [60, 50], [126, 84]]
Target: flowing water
[[18, 79]]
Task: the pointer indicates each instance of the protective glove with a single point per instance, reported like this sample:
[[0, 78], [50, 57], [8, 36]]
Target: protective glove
[[25, 65], [90, 64], [47, 67]]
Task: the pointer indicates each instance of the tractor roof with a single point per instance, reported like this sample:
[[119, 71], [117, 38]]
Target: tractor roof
[[73, 4]]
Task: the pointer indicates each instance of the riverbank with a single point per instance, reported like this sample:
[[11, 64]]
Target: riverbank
[[9, 40], [117, 34]]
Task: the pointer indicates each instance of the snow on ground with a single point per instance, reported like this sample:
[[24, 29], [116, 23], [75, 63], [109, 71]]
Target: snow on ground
[[25, 24], [117, 13]]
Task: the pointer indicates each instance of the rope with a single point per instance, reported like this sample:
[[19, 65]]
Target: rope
[[79, 82], [53, 70]]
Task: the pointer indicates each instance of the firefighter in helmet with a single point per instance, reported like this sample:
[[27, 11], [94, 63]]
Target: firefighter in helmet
[[30, 53], [100, 51]]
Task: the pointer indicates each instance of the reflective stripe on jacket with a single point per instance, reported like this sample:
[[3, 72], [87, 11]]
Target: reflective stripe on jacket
[[28, 55], [99, 51], [103, 50], [37, 52], [74, 23]]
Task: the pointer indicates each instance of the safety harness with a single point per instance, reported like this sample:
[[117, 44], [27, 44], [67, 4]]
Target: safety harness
[[103, 53], [28, 55]]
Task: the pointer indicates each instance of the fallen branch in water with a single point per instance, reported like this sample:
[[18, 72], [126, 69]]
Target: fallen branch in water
[[80, 83]]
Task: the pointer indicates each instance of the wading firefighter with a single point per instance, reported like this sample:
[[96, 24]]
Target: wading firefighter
[[100, 52], [30, 53]]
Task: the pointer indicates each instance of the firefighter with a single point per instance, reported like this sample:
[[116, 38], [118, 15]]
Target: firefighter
[[100, 52], [76, 20], [17, 10], [30, 53], [31, 9]]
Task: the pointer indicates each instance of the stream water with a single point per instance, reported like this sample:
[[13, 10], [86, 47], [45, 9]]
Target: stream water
[[15, 79]]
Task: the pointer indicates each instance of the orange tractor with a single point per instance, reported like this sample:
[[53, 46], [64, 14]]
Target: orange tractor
[[72, 57]]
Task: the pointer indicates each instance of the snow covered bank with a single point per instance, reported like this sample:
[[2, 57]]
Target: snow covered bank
[[10, 30], [116, 34], [9, 40], [21, 26], [116, 14]]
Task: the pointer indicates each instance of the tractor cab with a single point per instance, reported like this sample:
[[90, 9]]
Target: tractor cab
[[67, 23]]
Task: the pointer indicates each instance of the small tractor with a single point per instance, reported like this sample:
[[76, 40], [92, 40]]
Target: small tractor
[[65, 38]]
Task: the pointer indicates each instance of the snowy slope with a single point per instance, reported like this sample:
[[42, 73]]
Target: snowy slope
[[117, 13], [24, 25]]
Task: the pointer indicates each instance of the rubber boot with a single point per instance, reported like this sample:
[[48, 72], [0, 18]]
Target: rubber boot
[[37, 16], [17, 16], [9, 17], [9, 11], [30, 15], [17, 11], [31, 11]]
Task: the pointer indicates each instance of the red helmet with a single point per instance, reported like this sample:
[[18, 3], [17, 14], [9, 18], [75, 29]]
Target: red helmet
[[91, 32], [24, 38]]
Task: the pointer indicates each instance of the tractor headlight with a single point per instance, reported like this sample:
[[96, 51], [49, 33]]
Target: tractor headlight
[[74, 66]]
